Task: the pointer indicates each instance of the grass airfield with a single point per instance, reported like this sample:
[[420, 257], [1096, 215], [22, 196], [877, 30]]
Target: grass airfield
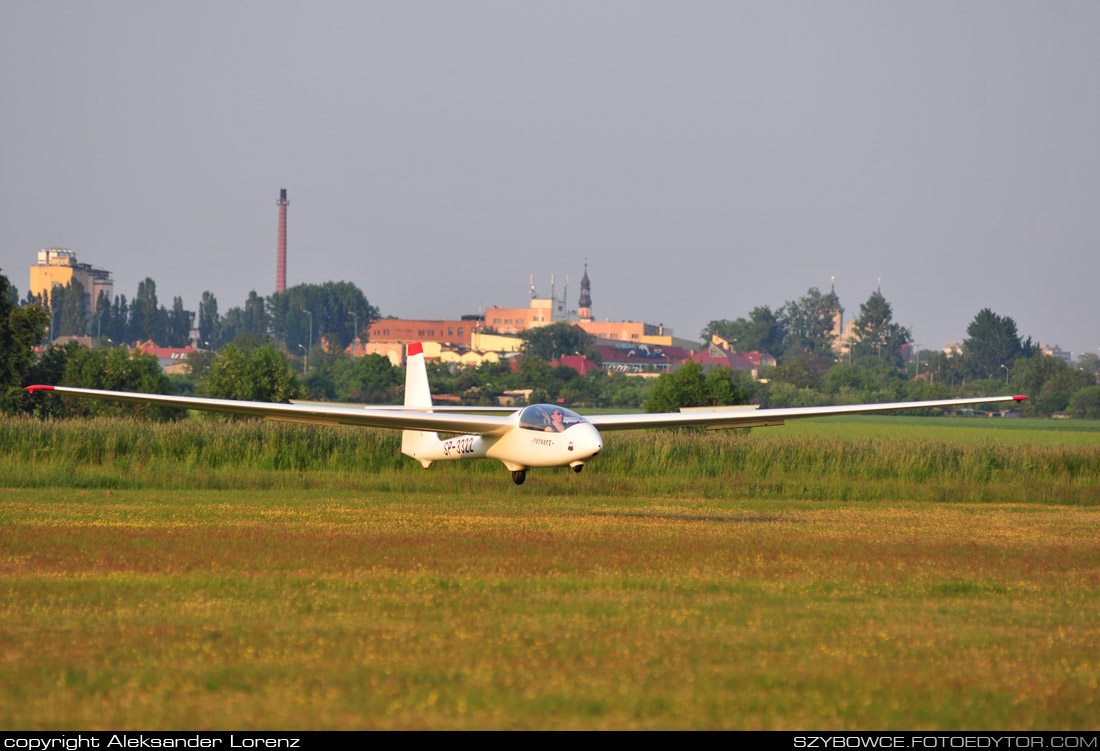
[[856, 573]]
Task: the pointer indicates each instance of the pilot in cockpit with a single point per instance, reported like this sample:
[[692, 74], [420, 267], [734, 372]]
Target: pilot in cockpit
[[557, 422]]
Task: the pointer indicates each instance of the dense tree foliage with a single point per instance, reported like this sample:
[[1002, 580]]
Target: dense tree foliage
[[178, 333], [333, 309], [689, 387], [764, 330], [992, 345], [1085, 403], [810, 322], [1049, 382], [876, 333], [261, 375], [21, 329], [113, 369], [67, 310], [209, 323], [557, 339]]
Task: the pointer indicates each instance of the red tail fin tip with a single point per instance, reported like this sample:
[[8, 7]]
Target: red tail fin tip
[[416, 348]]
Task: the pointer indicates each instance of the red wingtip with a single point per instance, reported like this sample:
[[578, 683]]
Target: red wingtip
[[416, 348], [1019, 398], [32, 389]]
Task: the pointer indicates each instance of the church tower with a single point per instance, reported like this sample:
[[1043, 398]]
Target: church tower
[[584, 304]]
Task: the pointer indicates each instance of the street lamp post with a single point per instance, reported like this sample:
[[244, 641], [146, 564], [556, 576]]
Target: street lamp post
[[355, 333], [1006, 373]]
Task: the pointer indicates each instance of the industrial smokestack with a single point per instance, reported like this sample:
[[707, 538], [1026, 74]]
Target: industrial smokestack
[[280, 264]]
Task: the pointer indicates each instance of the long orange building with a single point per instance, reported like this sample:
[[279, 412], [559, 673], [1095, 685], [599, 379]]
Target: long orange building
[[406, 330]]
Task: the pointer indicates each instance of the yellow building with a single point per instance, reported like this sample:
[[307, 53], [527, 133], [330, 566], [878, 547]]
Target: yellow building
[[467, 358], [495, 342], [57, 267]]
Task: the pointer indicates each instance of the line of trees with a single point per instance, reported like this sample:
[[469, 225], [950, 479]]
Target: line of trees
[[880, 365], [256, 339], [297, 318], [806, 328]]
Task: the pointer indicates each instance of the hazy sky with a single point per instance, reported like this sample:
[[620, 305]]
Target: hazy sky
[[705, 157]]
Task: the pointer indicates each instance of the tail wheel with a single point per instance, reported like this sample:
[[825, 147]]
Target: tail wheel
[[518, 476]]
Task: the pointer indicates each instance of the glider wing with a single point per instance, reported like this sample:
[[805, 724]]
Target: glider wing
[[735, 417], [312, 414]]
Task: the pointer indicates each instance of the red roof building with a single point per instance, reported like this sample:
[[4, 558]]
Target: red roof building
[[716, 357], [579, 363], [641, 358]]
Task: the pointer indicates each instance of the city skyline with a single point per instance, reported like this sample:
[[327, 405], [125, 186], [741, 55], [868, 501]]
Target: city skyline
[[705, 159]]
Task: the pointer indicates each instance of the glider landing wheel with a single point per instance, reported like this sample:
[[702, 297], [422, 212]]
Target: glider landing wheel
[[518, 476], [578, 467]]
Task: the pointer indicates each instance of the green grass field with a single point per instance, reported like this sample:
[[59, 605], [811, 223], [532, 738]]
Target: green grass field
[[872, 573]]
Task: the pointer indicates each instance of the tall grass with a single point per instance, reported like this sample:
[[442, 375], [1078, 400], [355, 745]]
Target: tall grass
[[781, 464]]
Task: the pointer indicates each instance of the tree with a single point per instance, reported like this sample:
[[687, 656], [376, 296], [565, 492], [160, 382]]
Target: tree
[[257, 320], [144, 313], [120, 321], [810, 321], [1085, 403], [115, 369], [861, 383], [101, 323], [251, 321], [1048, 381], [802, 371], [371, 379], [557, 339], [763, 331], [21, 328], [209, 323], [1090, 363], [688, 387], [877, 335], [992, 344], [67, 307], [49, 369], [179, 325], [262, 375], [333, 309]]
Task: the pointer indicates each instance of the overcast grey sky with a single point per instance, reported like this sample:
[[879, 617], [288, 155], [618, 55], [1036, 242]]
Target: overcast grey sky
[[706, 157]]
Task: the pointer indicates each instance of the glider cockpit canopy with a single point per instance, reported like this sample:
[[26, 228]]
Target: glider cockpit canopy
[[541, 417]]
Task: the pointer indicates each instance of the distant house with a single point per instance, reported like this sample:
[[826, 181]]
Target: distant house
[[466, 357], [579, 363], [172, 360], [88, 341], [758, 359], [716, 357], [394, 351], [641, 358]]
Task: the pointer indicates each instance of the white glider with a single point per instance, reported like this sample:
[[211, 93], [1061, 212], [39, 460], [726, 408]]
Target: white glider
[[540, 435]]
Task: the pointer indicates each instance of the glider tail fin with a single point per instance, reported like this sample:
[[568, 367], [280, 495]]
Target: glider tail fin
[[418, 396]]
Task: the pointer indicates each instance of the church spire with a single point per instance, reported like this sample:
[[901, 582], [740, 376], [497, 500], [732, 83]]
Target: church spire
[[584, 304]]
